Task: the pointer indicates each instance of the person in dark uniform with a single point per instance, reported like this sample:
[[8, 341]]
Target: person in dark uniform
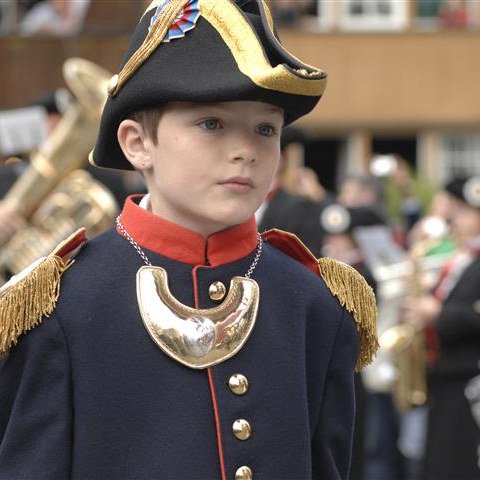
[[55, 103], [454, 308], [293, 213], [182, 344], [339, 224]]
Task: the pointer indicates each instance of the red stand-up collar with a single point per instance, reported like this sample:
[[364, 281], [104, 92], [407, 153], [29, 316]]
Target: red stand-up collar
[[178, 243]]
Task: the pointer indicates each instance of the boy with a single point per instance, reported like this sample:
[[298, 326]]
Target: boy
[[253, 383]]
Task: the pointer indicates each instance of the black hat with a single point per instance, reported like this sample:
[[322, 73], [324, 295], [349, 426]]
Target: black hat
[[337, 219], [204, 51], [54, 101], [466, 189]]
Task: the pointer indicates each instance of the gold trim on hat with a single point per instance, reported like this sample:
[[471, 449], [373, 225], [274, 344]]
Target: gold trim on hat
[[243, 43], [154, 37], [250, 56]]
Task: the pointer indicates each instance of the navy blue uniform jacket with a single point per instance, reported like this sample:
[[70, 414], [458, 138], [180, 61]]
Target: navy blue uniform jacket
[[88, 395]]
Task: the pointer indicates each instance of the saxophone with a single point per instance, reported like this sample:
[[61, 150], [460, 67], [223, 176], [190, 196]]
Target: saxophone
[[53, 194], [405, 343]]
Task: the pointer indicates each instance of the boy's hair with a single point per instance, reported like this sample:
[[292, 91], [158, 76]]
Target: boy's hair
[[149, 120]]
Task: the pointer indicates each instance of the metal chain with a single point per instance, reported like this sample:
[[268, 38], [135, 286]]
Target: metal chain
[[147, 261], [132, 241], [257, 257]]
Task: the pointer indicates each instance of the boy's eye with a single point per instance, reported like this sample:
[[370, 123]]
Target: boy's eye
[[211, 124], [266, 130]]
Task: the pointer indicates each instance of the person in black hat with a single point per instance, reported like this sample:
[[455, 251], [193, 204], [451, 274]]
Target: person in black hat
[[183, 344], [454, 308], [340, 224]]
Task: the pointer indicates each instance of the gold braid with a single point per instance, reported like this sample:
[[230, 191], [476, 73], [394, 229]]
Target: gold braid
[[153, 39], [353, 293]]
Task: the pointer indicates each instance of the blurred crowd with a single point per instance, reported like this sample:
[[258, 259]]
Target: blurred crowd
[[417, 244], [443, 14], [67, 17], [42, 17]]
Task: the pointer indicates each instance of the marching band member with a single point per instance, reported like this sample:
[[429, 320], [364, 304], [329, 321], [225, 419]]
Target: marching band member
[[454, 308], [148, 365]]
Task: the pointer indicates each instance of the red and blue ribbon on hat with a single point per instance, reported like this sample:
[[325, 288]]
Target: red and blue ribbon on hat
[[184, 22]]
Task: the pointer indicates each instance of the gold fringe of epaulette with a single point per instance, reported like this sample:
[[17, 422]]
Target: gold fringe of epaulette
[[353, 292], [25, 303], [153, 39]]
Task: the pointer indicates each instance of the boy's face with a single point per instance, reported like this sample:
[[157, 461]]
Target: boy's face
[[213, 163]]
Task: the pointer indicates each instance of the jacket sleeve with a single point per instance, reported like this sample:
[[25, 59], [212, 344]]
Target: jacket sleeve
[[36, 406], [459, 321], [332, 443]]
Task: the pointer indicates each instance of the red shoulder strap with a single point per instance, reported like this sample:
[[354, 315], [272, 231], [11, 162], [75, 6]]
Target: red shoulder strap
[[292, 246], [71, 245]]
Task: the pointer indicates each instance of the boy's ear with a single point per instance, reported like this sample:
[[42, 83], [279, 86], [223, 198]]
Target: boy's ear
[[134, 143]]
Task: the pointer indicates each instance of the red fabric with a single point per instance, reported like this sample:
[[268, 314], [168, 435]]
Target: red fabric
[[291, 245], [454, 17], [178, 243], [217, 424], [432, 347], [72, 244]]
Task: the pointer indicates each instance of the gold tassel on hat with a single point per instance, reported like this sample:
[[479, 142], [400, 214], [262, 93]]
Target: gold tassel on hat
[[354, 294], [24, 302]]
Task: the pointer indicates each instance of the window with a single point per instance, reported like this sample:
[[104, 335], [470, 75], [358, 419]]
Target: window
[[427, 13], [325, 12], [378, 15], [459, 154]]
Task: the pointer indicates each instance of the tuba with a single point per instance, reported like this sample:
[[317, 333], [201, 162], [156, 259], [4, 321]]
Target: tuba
[[53, 194]]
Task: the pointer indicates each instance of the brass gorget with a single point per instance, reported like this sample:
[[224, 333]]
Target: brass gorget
[[197, 338]]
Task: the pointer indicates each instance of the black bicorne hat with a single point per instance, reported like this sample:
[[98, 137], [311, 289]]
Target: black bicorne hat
[[204, 51], [55, 101], [466, 189]]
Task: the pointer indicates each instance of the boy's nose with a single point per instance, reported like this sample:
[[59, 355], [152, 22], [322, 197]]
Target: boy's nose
[[245, 157], [244, 150]]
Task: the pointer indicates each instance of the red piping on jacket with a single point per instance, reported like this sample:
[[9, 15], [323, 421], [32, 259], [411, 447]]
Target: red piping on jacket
[[212, 388]]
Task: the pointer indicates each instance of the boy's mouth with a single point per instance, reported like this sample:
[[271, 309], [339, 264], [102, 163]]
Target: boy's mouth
[[238, 184]]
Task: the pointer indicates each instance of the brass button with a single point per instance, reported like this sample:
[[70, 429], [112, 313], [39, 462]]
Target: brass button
[[238, 384], [242, 429], [217, 291], [244, 473], [112, 84], [476, 306]]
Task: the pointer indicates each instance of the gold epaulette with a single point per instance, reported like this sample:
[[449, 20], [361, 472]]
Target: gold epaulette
[[357, 297], [345, 283], [33, 293]]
